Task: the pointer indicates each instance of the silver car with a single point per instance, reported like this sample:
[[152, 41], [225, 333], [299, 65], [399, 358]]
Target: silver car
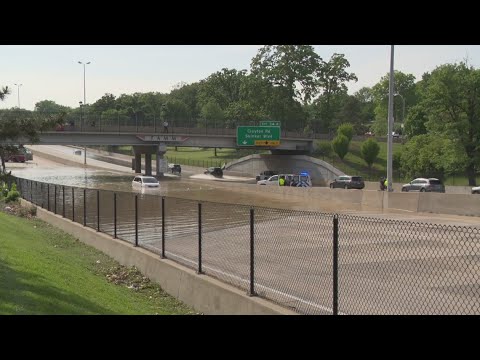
[[424, 185], [476, 190]]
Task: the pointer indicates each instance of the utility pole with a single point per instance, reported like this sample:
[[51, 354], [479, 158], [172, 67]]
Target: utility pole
[[84, 103], [390, 124]]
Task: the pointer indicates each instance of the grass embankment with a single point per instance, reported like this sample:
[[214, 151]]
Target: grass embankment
[[46, 271]]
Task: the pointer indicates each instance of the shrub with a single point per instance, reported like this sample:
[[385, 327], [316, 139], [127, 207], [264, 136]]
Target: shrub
[[340, 145], [28, 211], [370, 150], [12, 195], [346, 130]]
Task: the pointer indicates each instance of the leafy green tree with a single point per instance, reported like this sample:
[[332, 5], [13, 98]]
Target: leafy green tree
[[346, 130], [188, 94], [18, 126], [291, 67], [340, 145], [332, 77], [4, 91], [223, 87], [105, 103], [370, 150], [452, 105], [50, 107], [352, 112], [212, 113], [431, 155], [415, 121], [405, 86]]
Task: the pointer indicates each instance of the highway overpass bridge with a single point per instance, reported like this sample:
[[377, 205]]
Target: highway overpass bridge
[[149, 143]]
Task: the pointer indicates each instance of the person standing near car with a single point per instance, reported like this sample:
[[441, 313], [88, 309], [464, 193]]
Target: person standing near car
[[281, 181]]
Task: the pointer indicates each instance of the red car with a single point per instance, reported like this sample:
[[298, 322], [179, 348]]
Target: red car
[[16, 158]]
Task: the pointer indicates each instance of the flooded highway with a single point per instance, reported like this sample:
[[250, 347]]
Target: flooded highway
[[293, 249]]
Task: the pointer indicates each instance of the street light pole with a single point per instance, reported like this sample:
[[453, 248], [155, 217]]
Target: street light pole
[[390, 123], [18, 93], [84, 103]]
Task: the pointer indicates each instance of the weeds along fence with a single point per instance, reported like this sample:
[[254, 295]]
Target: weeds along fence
[[311, 262]]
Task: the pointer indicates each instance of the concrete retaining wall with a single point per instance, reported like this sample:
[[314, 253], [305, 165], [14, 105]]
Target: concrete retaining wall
[[205, 294], [320, 171]]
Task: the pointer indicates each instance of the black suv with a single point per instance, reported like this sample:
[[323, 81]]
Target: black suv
[[265, 175], [175, 168], [348, 182], [215, 171]]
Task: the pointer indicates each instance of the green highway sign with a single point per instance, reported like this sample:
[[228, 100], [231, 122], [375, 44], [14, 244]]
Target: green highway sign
[[258, 135], [269, 123]]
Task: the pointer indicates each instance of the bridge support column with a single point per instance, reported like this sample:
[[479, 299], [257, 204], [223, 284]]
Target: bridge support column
[[138, 163], [148, 164], [159, 163]]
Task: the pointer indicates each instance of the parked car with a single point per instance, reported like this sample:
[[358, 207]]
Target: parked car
[[424, 184], [272, 180], [476, 190], [215, 171], [145, 182], [348, 182], [265, 175], [175, 168], [16, 158]]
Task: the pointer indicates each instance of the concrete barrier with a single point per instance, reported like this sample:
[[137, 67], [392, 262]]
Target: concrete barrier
[[455, 204], [204, 294]]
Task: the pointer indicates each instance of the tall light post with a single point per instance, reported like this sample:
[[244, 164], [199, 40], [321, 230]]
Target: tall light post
[[390, 124], [84, 103], [18, 93]]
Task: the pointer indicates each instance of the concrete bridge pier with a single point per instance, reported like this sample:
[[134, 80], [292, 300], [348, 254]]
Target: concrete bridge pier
[[148, 164], [138, 163], [148, 150], [161, 150]]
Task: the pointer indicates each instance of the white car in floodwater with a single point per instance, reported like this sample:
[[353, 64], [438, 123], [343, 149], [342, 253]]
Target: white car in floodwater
[[476, 190], [145, 182]]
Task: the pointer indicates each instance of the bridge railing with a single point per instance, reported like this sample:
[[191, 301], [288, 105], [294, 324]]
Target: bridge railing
[[311, 262]]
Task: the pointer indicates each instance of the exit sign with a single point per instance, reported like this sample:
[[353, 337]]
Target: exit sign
[[269, 123]]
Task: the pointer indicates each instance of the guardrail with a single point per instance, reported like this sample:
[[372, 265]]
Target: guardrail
[[312, 262]]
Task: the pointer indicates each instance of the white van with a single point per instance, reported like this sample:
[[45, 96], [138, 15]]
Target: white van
[[295, 180]]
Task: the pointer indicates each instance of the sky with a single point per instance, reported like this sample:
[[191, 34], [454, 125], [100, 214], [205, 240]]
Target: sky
[[52, 72]]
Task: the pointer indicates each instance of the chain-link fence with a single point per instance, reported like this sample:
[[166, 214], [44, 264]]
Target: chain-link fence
[[311, 262]]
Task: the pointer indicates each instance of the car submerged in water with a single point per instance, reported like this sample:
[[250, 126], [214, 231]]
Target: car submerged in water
[[476, 190], [145, 182]]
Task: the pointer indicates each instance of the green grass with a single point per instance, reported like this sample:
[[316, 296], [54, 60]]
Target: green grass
[[353, 163], [46, 271]]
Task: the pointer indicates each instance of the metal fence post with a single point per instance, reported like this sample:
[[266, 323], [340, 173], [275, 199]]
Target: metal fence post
[[31, 191], [199, 238], [84, 207], [252, 253], [98, 210], [63, 201], [55, 199], [163, 227], [48, 197], [114, 215], [335, 264], [73, 204], [136, 220]]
